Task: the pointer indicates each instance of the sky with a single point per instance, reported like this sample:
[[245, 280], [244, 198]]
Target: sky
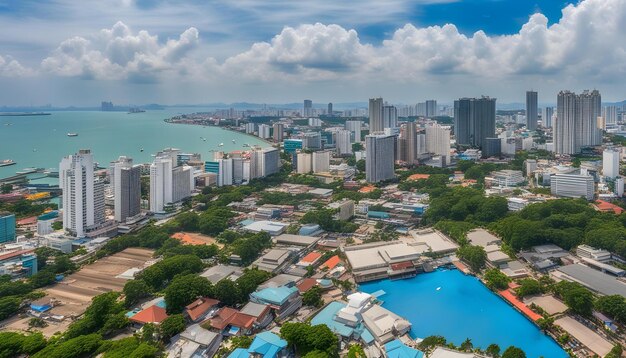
[[67, 52]]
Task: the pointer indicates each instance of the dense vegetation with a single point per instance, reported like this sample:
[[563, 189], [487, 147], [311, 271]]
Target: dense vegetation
[[310, 341]]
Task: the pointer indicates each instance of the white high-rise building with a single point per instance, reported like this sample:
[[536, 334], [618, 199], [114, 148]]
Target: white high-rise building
[[169, 183], [264, 162], [438, 141], [619, 186], [355, 128], [304, 163], [264, 131], [379, 157], [565, 124], [250, 128], [279, 130], [576, 124], [572, 185], [83, 195], [610, 114], [610, 163], [126, 181], [546, 117], [342, 142], [320, 163], [225, 172], [376, 115]]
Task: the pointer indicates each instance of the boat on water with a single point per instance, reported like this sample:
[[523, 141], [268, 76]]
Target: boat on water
[[27, 171], [141, 150], [7, 162], [135, 110], [246, 145], [233, 141], [221, 144], [72, 134]]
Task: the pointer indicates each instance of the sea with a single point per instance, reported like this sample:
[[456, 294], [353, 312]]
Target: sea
[[42, 141]]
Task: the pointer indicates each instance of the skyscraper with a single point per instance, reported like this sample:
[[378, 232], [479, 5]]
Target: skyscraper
[[320, 162], [390, 116], [330, 109], [343, 142], [279, 130], [430, 108], [379, 160], [546, 117], [264, 162], [83, 194], [312, 140], [7, 227], [169, 183], [610, 163], [126, 181], [438, 141], [308, 108], [610, 114], [355, 128], [303, 163], [264, 131], [576, 123], [531, 110], [474, 120], [410, 138], [376, 115]]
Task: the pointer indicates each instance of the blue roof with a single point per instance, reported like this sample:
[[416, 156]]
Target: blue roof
[[378, 214], [397, 349], [274, 295], [239, 353], [326, 317], [161, 303], [365, 334], [267, 344], [246, 222], [40, 308]]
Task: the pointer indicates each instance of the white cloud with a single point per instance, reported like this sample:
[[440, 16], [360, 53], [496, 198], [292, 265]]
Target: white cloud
[[10, 67], [117, 53]]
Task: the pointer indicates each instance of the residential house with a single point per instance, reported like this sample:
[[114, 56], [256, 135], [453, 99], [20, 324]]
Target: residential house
[[284, 300]]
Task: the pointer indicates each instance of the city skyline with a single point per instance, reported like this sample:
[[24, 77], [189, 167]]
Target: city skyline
[[413, 51]]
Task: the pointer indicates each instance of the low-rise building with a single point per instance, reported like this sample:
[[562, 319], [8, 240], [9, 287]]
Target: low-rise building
[[219, 272], [572, 185], [593, 253], [594, 280], [284, 300], [482, 237], [274, 261], [18, 263], [505, 178], [273, 228], [195, 341], [381, 260], [201, 308]]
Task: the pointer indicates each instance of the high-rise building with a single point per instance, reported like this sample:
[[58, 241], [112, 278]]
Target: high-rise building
[[438, 141], [264, 162], [430, 108], [126, 180], [320, 162], [492, 147], [390, 116], [250, 128], [169, 182], [292, 145], [376, 115], [546, 117], [330, 109], [83, 194], [279, 130], [572, 185], [312, 140], [576, 123], [610, 114], [264, 131], [610, 163], [379, 157], [531, 110], [7, 227], [343, 142], [308, 108], [355, 128], [474, 120], [304, 163], [410, 137]]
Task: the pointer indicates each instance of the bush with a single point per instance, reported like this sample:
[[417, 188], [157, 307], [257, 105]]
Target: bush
[[496, 280]]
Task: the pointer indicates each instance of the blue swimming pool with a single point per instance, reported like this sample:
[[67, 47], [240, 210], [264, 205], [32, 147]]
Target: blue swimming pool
[[456, 306]]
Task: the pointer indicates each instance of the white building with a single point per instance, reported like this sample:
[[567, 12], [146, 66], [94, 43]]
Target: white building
[[593, 253], [264, 131], [355, 128], [169, 183], [610, 163], [304, 163], [225, 172], [83, 195], [264, 162], [320, 162], [250, 128], [343, 142], [576, 123], [126, 180], [438, 141], [505, 178], [379, 157], [572, 185]]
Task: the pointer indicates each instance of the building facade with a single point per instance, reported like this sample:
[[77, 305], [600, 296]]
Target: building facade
[[532, 114], [379, 158], [376, 115], [474, 120], [126, 180]]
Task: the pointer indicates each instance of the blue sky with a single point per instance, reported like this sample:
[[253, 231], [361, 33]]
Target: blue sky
[[79, 52]]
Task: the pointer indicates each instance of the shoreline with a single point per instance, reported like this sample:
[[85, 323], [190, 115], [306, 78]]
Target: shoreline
[[271, 144]]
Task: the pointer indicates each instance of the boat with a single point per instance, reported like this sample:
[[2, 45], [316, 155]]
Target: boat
[[246, 145], [7, 162], [27, 171], [233, 141], [141, 150], [72, 134], [221, 144]]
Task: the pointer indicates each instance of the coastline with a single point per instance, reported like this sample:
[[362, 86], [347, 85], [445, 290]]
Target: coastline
[[271, 144]]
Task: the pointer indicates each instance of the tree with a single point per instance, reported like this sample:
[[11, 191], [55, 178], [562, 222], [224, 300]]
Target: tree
[[250, 280], [172, 326], [576, 297], [528, 287], [313, 297], [62, 264], [114, 323], [33, 343], [356, 351], [157, 275], [82, 346], [616, 352], [43, 278], [430, 342], [188, 221], [513, 352], [475, 256], [9, 306], [57, 225], [185, 289], [493, 350], [227, 292], [103, 307], [134, 291], [6, 188], [496, 279], [306, 338], [613, 306], [467, 345], [36, 322]]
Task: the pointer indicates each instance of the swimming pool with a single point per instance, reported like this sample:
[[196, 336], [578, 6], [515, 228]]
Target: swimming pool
[[456, 306]]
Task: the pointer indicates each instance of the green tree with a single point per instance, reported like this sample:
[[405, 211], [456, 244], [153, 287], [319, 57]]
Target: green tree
[[306, 338], [528, 287], [227, 292], [513, 352], [9, 306], [493, 350], [33, 343], [313, 297], [172, 326], [496, 279], [62, 264], [356, 351], [475, 256], [188, 221], [57, 225], [576, 297], [616, 352], [103, 307], [467, 345], [6, 188], [430, 342], [613, 306], [134, 291], [43, 278], [185, 289], [250, 280], [82, 346]]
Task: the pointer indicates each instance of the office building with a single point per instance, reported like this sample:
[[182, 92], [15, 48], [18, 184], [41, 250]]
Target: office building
[[376, 115], [474, 120], [531, 167], [250, 128], [379, 160], [531, 110], [330, 109], [240, 173], [264, 131], [320, 162], [430, 108], [355, 128], [7, 227], [610, 163], [577, 122], [546, 117], [343, 142], [292, 145], [264, 162], [492, 147], [572, 185], [126, 180], [169, 183], [609, 113], [619, 186], [390, 116], [438, 141], [304, 163], [410, 141], [44, 223], [83, 194], [308, 108], [593, 253], [279, 132], [312, 141], [223, 170]]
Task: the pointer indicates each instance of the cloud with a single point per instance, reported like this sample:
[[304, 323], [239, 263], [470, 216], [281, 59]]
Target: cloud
[[12, 68], [117, 53]]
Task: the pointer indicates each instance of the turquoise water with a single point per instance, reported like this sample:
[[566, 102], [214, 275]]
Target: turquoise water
[[462, 308], [41, 141]]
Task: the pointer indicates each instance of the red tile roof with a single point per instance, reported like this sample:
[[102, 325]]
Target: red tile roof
[[152, 314], [242, 320], [14, 254], [606, 206], [331, 262], [311, 257], [223, 318], [418, 176], [306, 284], [402, 265], [27, 221], [199, 307]]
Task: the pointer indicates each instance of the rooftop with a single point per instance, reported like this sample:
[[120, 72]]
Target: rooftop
[[331, 262], [152, 314], [299, 240], [594, 280], [397, 349], [481, 237], [267, 344], [274, 295]]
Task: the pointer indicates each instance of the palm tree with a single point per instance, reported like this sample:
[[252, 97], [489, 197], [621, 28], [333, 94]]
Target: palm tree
[[467, 345]]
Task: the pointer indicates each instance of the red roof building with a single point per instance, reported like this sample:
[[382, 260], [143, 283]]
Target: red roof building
[[605, 206], [152, 314], [200, 307], [222, 318], [306, 285], [331, 262]]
